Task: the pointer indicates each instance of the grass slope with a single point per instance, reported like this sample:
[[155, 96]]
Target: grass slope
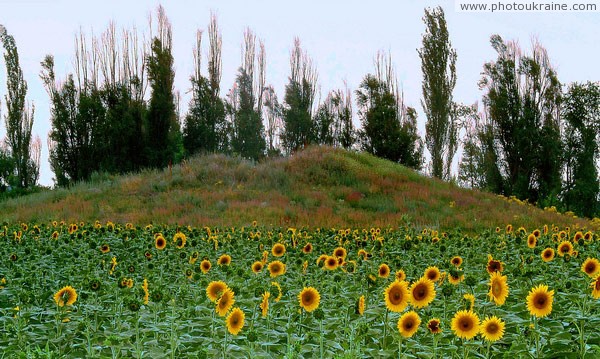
[[318, 187]]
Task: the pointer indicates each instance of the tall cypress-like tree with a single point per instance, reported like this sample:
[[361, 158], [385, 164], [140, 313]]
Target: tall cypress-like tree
[[164, 142], [438, 63], [19, 116]]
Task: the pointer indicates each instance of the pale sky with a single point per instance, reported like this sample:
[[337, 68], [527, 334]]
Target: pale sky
[[342, 37]]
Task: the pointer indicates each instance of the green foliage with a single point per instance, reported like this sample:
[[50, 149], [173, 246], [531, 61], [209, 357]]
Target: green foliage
[[581, 112], [248, 131], [438, 63]]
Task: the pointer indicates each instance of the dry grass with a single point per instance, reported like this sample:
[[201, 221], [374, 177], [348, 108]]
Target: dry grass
[[318, 187]]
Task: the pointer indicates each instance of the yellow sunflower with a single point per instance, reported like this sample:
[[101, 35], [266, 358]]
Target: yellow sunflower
[[264, 304], [536, 233], [547, 254], [465, 324], [205, 266], [276, 268], [596, 287], [433, 274], [308, 248], [360, 305], [400, 275], [565, 247], [492, 329], [539, 301], [531, 241], [455, 280], [362, 253], [494, 265], [396, 296], [235, 321], [67, 295], [331, 263], [456, 261], [224, 260], [422, 293], [498, 288], [384, 270], [279, 291], [591, 267], [225, 302], [215, 289], [257, 267], [309, 298], [408, 324], [509, 228], [434, 326], [179, 239], [340, 252], [278, 250], [160, 242], [105, 248]]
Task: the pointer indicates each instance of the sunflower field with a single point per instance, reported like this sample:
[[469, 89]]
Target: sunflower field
[[106, 290]]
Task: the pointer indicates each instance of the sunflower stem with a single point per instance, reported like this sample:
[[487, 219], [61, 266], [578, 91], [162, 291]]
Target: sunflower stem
[[400, 347], [384, 329], [321, 339]]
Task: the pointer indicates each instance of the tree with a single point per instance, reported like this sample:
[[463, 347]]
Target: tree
[[333, 120], [581, 112], [388, 127], [19, 117], [438, 63], [522, 101], [298, 126], [164, 143]]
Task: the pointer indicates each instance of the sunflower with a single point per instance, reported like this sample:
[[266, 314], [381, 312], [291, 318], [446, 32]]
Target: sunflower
[[498, 288], [531, 241], [539, 301], [277, 287], [470, 299], [509, 228], [179, 239], [434, 326], [591, 267], [67, 295], [265, 256], [497, 229], [384, 270], [340, 252], [331, 263], [494, 265], [400, 275], [54, 235], [433, 274], [588, 236], [278, 250], [362, 253], [492, 329], [536, 233], [257, 267], [160, 242], [577, 237], [465, 324], [360, 305], [456, 261], [422, 293], [264, 304], [105, 248], [565, 247], [224, 260], [309, 298], [225, 302], [408, 324], [235, 321], [307, 248], [276, 268], [205, 266], [455, 278], [215, 289], [396, 296], [547, 254], [596, 287]]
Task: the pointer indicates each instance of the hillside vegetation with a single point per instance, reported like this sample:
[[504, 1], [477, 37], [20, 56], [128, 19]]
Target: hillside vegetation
[[317, 187]]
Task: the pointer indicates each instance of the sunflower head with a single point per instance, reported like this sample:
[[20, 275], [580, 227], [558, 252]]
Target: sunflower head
[[565, 247], [547, 254], [591, 267], [384, 270], [257, 267], [596, 287], [264, 304], [160, 242], [536, 233], [396, 296], [235, 321], [65, 296], [422, 293], [400, 275], [340, 252], [215, 289], [494, 265], [434, 326], [408, 324], [456, 261], [539, 301], [179, 239], [331, 263], [531, 241], [309, 299], [224, 260], [492, 329], [278, 250], [465, 324], [308, 248], [360, 305], [276, 268], [433, 274], [205, 266], [105, 248], [225, 302]]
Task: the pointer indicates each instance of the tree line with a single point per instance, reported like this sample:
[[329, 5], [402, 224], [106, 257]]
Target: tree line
[[118, 112]]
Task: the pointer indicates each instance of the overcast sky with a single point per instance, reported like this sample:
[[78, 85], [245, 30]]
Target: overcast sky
[[342, 37]]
